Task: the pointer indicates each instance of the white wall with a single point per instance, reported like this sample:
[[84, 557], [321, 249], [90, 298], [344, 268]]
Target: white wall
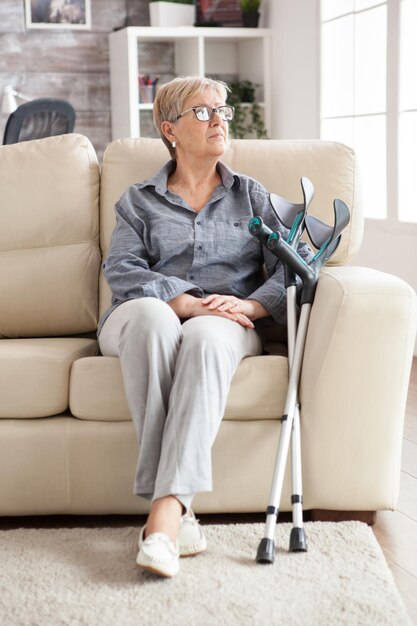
[[296, 115], [295, 67]]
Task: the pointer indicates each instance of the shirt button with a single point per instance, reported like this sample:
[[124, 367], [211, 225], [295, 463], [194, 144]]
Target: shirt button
[[236, 224], [191, 276], [198, 222], [199, 247]]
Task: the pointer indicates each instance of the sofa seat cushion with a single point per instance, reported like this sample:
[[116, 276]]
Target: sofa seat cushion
[[34, 374], [258, 389]]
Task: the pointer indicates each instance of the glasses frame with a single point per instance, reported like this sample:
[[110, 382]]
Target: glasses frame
[[211, 115]]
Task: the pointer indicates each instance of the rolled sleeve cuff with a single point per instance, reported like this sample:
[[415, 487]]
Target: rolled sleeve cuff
[[274, 303], [168, 288]]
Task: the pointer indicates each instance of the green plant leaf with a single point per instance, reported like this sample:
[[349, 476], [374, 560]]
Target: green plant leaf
[[248, 6], [248, 119]]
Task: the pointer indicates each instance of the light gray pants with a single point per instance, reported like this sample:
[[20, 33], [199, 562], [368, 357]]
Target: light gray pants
[[176, 379]]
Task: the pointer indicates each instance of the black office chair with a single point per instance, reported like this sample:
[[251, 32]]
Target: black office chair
[[39, 118]]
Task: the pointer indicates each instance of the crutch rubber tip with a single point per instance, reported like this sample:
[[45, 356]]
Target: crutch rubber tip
[[298, 542], [266, 551]]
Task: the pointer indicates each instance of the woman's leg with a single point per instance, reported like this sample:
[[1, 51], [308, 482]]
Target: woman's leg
[[146, 335], [176, 381], [211, 350]]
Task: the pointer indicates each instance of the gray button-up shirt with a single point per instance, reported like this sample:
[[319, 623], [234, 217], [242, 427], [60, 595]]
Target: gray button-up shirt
[[162, 248]]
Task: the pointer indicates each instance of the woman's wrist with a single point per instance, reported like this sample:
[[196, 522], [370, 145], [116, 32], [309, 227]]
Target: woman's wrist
[[257, 311], [183, 305]]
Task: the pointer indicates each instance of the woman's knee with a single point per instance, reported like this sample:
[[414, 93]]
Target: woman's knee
[[151, 315], [220, 335], [150, 311], [144, 317], [209, 331]]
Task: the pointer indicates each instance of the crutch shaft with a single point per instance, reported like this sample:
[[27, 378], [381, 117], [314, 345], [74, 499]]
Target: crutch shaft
[[297, 489], [328, 238], [288, 417]]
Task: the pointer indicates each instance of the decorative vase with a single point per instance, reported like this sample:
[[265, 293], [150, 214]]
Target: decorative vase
[[171, 14], [250, 19]]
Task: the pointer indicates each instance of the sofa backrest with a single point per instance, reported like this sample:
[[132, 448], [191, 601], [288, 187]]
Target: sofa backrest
[[279, 165], [49, 246]]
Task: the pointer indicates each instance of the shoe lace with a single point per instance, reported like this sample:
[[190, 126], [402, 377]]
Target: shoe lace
[[161, 537], [190, 518]]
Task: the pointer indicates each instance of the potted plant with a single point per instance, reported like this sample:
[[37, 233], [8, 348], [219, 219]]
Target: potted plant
[[250, 12], [248, 121], [172, 12]]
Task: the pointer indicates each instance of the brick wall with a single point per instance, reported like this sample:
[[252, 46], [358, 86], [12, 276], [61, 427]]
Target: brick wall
[[67, 64]]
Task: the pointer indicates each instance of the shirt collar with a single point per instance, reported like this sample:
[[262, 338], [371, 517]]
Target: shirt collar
[[229, 178], [160, 179]]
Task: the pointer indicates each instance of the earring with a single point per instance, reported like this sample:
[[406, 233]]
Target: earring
[[173, 144]]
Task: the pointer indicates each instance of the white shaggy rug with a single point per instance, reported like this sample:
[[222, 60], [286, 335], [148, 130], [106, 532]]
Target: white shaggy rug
[[87, 576]]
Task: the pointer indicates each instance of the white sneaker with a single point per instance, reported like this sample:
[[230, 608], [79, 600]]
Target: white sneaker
[[191, 539], [158, 554]]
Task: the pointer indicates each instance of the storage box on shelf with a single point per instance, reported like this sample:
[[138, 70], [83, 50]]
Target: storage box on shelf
[[171, 13], [243, 53]]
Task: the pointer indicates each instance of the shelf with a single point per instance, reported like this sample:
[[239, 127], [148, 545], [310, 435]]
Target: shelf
[[188, 32], [226, 53]]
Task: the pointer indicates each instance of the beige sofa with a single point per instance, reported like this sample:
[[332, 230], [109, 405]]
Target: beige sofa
[[67, 443]]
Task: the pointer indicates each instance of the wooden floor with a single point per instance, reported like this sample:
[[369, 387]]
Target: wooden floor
[[396, 531]]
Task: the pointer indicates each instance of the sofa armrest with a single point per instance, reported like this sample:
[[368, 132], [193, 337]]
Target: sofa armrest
[[354, 382]]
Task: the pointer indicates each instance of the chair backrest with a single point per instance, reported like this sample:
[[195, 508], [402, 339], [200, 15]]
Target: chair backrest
[[39, 118], [279, 165]]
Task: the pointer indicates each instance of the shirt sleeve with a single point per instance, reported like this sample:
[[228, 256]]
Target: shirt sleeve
[[127, 267], [272, 293]]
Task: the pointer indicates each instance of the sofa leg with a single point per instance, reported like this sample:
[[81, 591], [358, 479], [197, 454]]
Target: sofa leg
[[321, 515]]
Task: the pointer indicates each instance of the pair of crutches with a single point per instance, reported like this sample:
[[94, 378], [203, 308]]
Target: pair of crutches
[[325, 239]]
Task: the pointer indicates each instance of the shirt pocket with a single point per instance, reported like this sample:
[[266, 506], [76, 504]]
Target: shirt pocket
[[234, 241]]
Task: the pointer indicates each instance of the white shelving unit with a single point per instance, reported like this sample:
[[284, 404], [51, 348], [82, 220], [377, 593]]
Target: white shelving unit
[[242, 52]]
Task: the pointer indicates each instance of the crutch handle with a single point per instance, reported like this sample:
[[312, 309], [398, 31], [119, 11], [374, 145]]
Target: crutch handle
[[290, 257], [260, 230]]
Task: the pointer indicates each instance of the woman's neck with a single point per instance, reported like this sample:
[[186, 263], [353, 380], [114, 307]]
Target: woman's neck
[[195, 185], [194, 176]]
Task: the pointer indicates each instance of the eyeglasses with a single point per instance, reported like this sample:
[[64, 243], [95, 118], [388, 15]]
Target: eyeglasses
[[205, 113]]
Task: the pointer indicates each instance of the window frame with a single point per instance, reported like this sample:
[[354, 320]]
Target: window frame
[[391, 223]]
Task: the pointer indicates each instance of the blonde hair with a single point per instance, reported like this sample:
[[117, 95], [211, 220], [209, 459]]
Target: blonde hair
[[170, 99]]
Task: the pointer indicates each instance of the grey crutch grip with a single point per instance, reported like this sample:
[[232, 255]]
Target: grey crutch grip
[[290, 257], [258, 229], [278, 246]]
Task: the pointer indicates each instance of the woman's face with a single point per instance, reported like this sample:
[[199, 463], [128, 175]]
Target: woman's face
[[201, 139]]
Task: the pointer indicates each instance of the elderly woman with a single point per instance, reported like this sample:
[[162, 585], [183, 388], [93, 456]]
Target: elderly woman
[[187, 284]]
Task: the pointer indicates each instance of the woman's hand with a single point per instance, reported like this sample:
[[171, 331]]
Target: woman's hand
[[186, 306], [252, 309]]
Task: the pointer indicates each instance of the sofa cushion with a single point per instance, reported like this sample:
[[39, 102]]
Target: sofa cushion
[[257, 392], [49, 254], [34, 374]]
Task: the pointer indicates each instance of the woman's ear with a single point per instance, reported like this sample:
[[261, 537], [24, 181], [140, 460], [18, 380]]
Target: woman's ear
[[168, 131]]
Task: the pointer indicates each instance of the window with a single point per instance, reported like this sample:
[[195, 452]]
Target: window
[[353, 89], [369, 97], [407, 118]]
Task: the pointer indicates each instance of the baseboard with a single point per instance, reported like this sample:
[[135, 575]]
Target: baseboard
[[322, 515]]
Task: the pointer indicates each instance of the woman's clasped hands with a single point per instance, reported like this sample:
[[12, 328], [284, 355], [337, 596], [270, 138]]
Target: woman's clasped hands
[[244, 312], [241, 311]]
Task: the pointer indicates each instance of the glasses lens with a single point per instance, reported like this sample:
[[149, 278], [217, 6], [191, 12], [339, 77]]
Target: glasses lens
[[202, 114], [226, 113]]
